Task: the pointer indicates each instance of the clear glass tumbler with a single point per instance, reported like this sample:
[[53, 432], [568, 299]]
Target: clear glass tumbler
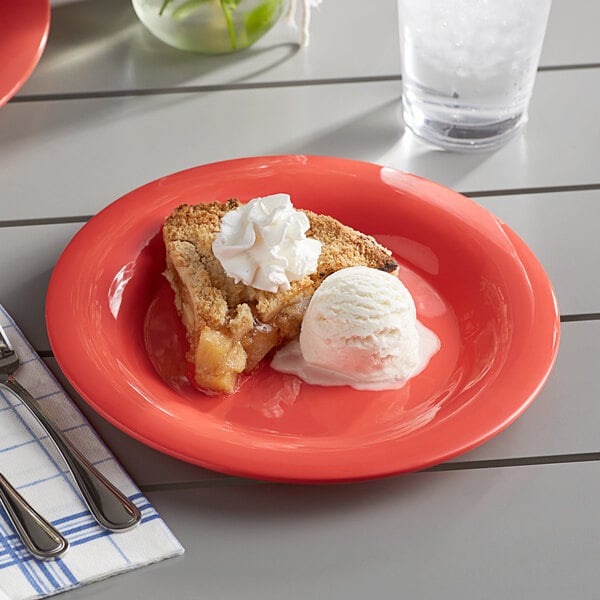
[[209, 26], [468, 67]]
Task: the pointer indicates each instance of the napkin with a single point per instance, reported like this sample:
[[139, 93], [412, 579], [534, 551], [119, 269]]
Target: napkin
[[29, 460]]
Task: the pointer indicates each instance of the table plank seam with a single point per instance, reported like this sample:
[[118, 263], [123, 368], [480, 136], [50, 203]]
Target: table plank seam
[[220, 481], [232, 481], [191, 89], [65, 220], [580, 317], [249, 85], [45, 221], [583, 187], [550, 459], [569, 67]]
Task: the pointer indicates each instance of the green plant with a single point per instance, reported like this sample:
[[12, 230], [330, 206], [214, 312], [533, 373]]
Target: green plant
[[255, 22]]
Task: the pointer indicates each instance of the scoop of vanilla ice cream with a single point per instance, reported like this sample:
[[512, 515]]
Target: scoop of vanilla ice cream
[[361, 324]]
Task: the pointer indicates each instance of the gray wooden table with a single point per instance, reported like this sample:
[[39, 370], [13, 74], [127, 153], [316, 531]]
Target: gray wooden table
[[109, 108]]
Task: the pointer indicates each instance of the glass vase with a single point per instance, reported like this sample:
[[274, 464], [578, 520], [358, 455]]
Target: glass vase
[[209, 26]]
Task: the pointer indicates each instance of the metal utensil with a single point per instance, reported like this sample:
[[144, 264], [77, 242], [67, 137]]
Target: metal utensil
[[110, 507], [39, 537]]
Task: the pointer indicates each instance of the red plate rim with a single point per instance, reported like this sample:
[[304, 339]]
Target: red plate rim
[[24, 31]]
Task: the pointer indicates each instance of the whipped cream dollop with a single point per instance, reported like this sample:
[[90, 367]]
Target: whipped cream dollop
[[263, 244]]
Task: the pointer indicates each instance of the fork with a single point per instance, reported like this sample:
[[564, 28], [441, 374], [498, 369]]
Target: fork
[[38, 536], [108, 505]]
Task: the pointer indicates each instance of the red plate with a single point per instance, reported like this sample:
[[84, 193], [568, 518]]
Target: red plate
[[116, 336], [24, 26]]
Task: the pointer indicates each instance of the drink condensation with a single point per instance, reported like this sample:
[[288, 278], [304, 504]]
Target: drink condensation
[[468, 67]]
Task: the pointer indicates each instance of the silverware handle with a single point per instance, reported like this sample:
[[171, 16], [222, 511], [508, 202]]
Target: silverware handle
[[39, 537], [109, 506]]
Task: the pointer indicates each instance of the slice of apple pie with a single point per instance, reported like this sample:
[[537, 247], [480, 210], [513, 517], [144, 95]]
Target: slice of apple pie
[[232, 326]]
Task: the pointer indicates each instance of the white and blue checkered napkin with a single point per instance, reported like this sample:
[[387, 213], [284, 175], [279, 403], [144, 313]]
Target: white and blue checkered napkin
[[29, 460]]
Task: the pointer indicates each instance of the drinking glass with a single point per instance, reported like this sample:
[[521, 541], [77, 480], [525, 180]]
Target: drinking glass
[[468, 67]]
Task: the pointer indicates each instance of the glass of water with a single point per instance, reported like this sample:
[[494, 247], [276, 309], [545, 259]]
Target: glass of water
[[468, 67]]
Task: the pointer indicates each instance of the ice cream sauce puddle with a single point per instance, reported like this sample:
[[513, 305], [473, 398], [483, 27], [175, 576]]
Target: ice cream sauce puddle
[[289, 359]]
